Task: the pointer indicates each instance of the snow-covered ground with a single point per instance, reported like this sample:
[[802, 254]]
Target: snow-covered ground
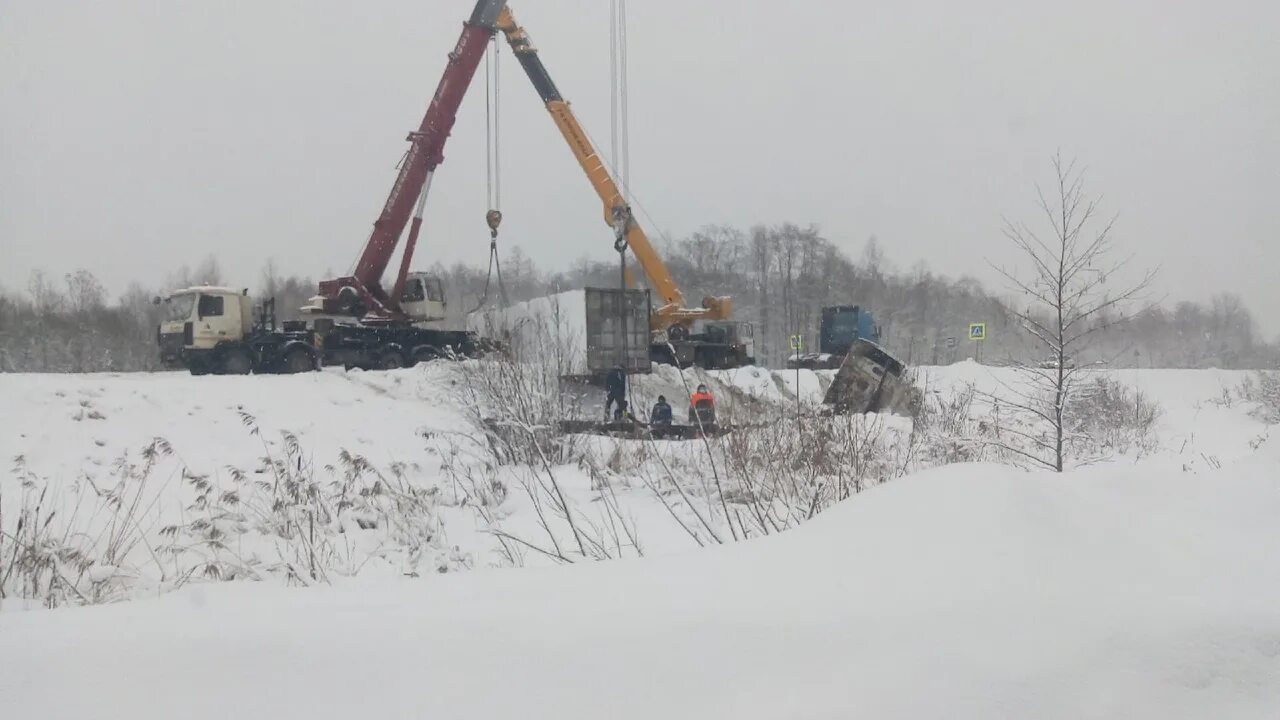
[[964, 592], [67, 425], [80, 435], [1140, 587]]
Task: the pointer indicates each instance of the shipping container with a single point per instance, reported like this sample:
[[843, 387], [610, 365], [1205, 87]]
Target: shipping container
[[617, 329]]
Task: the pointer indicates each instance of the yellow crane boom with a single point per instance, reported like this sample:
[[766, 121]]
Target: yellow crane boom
[[617, 212]]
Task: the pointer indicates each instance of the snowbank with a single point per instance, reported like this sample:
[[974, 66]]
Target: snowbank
[[964, 592], [1121, 590], [554, 326], [739, 393], [72, 427], [67, 426]]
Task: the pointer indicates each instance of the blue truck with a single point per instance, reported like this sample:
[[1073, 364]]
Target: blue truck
[[838, 329]]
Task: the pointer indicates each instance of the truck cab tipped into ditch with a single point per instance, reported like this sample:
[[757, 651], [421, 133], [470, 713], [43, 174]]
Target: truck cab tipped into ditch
[[871, 380]]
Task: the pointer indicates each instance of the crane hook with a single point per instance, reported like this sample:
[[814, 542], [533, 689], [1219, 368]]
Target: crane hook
[[621, 223], [494, 219]]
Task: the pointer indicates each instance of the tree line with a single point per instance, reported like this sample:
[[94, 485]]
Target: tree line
[[779, 276]]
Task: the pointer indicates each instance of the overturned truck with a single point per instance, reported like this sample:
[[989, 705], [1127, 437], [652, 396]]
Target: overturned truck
[[871, 380]]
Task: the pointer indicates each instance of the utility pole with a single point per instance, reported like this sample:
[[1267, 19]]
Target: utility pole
[[797, 392]]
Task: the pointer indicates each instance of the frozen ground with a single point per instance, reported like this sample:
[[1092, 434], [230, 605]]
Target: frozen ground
[[1135, 588]]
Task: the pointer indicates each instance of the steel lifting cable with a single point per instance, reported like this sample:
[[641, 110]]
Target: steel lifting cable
[[493, 154], [619, 110], [493, 173], [624, 109], [613, 81], [619, 160], [620, 156]]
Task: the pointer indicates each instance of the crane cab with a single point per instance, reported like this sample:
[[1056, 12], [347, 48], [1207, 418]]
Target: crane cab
[[717, 344], [731, 343], [423, 297]]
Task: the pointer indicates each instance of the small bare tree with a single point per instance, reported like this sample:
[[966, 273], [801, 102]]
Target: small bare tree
[[1068, 302]]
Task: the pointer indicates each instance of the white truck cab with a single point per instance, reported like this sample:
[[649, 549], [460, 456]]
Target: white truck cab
[[216, 314], [872, 380], [199, 320]]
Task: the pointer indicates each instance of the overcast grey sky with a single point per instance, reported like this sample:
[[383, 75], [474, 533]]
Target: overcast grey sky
[[139, 135]]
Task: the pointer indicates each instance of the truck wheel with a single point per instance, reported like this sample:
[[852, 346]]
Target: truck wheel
[[198, 368], [236, 362], [391, 360], [425, 353], [298, 360]]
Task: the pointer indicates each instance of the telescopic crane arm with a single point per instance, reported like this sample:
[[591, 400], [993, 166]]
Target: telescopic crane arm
[[363, 289], [617, 212]]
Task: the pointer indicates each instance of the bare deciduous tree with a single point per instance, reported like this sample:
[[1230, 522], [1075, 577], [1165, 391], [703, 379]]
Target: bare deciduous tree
[[1069, 301]]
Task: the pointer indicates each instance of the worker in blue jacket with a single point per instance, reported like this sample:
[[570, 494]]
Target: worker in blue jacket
[[661, 413]]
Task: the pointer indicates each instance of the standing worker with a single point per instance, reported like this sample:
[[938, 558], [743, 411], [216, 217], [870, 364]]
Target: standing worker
[[702, 407], [660, 418], [661, 414], [615, 385]]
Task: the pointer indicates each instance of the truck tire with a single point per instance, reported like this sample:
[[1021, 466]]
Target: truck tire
[[298, 360], [236, 361], [391, 359], [425, 353]]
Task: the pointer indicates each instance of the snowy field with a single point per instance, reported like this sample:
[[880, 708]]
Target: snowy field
[[1142, 586]]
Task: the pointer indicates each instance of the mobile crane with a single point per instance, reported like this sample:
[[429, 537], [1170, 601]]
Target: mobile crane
[[361, 294], [215, 330], [722, 342]]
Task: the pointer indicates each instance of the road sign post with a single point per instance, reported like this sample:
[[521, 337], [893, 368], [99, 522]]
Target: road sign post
[[978, 334], [797, 344]]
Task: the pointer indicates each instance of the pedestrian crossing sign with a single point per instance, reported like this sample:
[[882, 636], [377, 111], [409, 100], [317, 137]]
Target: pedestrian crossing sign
[[797, 342], [978, 331]]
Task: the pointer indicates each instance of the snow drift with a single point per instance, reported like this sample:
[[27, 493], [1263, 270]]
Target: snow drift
[[971, 591], [1120, 590], [554, 326]]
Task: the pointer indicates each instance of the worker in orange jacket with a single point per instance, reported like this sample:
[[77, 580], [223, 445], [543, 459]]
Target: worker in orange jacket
[[702, 407]]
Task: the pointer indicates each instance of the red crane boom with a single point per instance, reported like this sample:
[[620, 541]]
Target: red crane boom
[[362, 293]]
